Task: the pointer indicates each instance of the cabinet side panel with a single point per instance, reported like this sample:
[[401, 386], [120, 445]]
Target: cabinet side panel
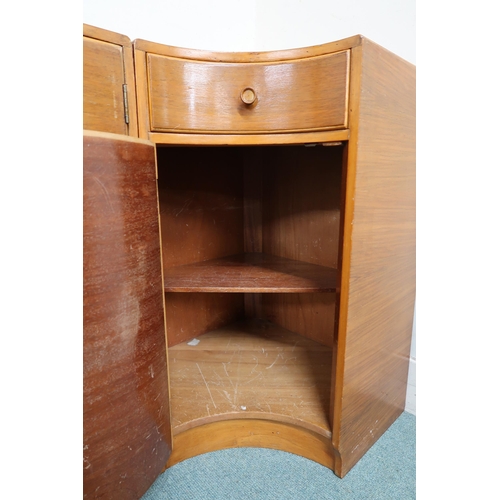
[[378, 272], [127, 435]]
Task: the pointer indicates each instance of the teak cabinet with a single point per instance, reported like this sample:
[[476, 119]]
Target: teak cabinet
[[249, 256]]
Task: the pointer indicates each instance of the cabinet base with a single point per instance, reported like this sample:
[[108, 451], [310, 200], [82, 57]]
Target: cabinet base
[[243, 433]]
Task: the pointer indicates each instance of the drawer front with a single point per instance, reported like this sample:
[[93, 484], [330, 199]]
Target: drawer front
[[207, 97]]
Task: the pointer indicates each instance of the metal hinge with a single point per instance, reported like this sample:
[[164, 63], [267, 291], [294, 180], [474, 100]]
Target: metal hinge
[[125, 102]]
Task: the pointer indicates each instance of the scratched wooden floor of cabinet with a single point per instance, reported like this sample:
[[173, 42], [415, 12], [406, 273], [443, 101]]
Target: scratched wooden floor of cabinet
[[250, 369]]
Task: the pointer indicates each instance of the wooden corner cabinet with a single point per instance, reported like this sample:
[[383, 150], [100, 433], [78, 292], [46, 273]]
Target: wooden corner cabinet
[[272, 194]]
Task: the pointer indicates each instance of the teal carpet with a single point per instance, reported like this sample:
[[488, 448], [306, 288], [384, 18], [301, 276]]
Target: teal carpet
[[386, 472]]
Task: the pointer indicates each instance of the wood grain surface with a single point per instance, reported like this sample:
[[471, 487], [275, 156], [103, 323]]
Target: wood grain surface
[[253, 164], [201, 212], [322, 375], [242, 433], [201, 204], [249, 57], [127, 435], [301, 220], [310, 314], [186, 95], [288, 96], [250, 369], [301, 203], [107, 66], [251, 272], [215, 201], [378, 268], [193, 314], [244, 140]]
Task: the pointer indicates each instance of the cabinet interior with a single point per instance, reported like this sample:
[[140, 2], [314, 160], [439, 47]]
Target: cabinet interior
[[250, 242]]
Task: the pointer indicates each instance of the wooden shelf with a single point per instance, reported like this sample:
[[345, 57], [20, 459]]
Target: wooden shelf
[[252, 273], [252, 369]]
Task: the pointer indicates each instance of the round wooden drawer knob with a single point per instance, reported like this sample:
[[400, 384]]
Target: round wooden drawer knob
[[248, 95]]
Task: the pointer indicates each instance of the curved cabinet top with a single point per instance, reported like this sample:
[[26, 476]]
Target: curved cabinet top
[[248, 57]]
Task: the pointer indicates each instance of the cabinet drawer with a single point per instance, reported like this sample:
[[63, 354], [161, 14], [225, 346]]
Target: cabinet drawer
[[209, 97]]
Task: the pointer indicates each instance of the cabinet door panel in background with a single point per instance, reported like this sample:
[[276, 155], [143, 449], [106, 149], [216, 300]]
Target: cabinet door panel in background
[[127, 433], [108, 82]]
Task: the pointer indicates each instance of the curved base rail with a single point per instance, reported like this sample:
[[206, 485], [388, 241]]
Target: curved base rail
[[252, 433]]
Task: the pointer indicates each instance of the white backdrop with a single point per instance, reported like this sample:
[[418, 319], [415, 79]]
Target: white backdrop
[[235, 25], [258, 25]]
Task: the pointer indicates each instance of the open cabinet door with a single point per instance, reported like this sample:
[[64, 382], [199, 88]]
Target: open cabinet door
[[127, 433]]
